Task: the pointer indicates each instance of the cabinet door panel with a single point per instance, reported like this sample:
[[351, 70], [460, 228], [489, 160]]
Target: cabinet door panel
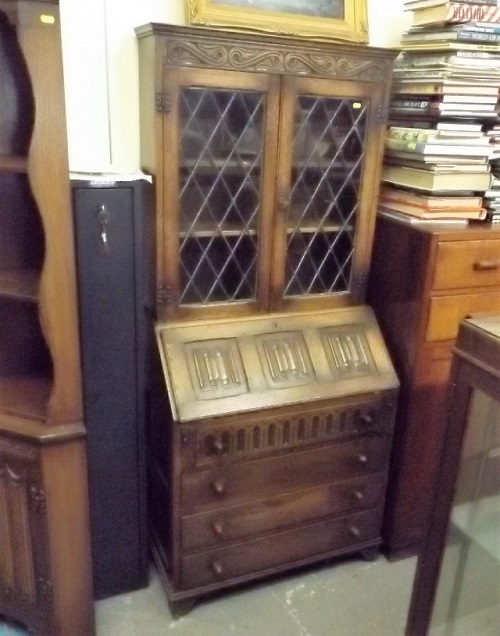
[[219, 187], [324, 150]]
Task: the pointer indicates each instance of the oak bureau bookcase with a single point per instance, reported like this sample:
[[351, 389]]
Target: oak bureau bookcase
[[271, 425]]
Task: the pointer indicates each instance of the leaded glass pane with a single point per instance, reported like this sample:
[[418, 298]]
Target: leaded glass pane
[[220, 183], [328, 151]]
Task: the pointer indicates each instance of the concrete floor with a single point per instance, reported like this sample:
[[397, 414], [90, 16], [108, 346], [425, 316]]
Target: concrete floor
[[343, 598], [350, 597]]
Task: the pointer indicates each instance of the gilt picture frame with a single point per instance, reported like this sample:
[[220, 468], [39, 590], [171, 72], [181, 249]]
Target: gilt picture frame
[[338, 20]]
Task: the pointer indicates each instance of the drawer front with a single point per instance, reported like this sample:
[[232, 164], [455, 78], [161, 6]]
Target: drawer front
[[446, 312], [247, 438], [282, 548], [251, 481], [236, 522], [469, 264]]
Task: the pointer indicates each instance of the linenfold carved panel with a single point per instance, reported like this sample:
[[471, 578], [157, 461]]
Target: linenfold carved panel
[[250, 57], [285, 359], [216, 369], [347, 351]]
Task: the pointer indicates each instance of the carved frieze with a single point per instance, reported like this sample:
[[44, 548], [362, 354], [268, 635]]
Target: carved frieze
[[274, 59]]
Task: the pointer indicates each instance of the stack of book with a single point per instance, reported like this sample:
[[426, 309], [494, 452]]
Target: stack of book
[[492, 195], [445, 94], [450, 61]]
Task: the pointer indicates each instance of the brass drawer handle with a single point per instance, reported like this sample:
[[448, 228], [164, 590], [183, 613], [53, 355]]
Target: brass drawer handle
[[366, 419], [218, 528], [217, 568], [355, 532], [363, 459], [481, 266], [218, 446], [219, 486]]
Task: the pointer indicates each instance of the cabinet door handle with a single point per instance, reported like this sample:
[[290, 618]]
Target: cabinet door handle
[[219, 486], [481, 266]]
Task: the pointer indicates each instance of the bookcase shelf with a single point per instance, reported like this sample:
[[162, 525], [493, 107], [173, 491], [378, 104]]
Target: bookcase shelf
[[45, 557], [19, 284], [13, 164], [25, 396]]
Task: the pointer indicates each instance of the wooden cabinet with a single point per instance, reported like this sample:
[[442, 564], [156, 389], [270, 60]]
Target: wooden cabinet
[[273, 451], [266, 158], [424, 281], [45, 574], [272, 418]]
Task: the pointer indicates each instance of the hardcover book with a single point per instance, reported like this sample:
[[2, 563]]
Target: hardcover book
[[430, 201], [408, 218], [433, 181], [434, 214], [456, 12], [410, 5], [438, 147]]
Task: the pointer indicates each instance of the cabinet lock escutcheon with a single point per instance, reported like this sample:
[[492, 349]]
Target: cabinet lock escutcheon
[[103, 222]]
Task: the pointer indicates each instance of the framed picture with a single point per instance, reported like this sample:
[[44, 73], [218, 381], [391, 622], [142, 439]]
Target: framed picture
[[315, 19]]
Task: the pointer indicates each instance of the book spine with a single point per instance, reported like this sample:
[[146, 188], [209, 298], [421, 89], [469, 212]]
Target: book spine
[[406, 134], [423, 104], [475, 36], [479, 27], [409, 3], [405, 145], [463, 12]]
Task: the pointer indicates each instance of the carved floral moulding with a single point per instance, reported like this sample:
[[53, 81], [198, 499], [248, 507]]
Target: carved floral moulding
[[270, 58]]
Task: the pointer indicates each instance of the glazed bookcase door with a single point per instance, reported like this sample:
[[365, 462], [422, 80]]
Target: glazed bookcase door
[[329, 143], [221, 145]]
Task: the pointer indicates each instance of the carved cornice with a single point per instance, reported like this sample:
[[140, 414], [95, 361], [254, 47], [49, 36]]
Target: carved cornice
[[274, 59]]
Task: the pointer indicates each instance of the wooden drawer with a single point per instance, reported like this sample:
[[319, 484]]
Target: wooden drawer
[[446, 312], [228, 524], [253, 438], [471, 264], [284, 548], [251, 481]]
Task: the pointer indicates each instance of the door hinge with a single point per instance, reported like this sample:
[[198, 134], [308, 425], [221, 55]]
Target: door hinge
[[362, 284], [382, 114], [163, 295], [162, 102]]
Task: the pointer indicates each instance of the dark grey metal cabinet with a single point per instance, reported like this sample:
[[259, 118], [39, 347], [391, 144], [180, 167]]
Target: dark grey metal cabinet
[[112, 222]]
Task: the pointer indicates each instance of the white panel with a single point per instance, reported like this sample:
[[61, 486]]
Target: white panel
[[85, 79], [386, 22], [101, 74], [121, 19]]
